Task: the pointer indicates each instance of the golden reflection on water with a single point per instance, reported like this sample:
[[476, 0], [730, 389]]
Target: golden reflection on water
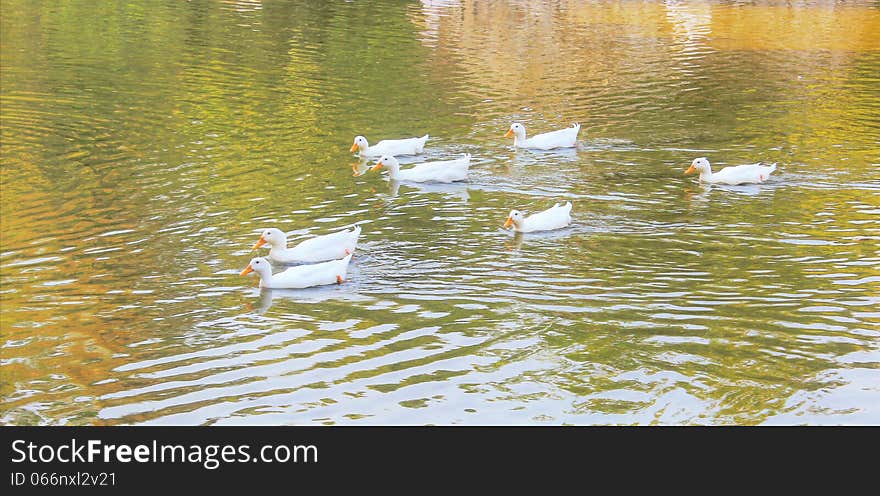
[[143, 146]]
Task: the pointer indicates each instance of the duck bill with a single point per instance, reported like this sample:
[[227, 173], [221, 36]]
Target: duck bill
[[354, 148], [376, 167], [259, 243], [247, 270], [509, 133], [690, 170], [508, 222]]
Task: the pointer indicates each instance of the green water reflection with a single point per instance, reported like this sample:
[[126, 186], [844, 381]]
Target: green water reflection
[[145, 143]]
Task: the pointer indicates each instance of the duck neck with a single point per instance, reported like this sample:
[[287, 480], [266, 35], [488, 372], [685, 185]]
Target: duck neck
[[278, 244], [265, 274], [706, 174], [519, 138], [393, 170]]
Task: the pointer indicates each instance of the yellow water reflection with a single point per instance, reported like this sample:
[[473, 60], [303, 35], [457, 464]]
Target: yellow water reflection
[[142, 146]]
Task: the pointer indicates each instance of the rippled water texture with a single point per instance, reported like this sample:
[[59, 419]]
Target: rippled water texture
[[145, 143]]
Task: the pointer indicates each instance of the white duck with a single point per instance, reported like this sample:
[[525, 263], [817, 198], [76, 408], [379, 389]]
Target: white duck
[[555, 217], [442, 171], [408, 146], [318, 249], [563, 138], [740, 174], [301, 276]]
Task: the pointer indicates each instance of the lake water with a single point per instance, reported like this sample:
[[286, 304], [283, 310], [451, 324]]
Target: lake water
[[144, 144]]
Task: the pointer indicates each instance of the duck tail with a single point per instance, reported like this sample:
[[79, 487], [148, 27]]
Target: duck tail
[[772, 167], [342, 268], [356, 233], [422, 142]]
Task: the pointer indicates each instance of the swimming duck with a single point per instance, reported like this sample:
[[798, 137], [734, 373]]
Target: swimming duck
[[301, 276], [318, 249], [442, 171], [740, 174], [408, 146], [563, 138], [555, 217]]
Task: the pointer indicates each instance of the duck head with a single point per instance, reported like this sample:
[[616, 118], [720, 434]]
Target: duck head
[[259, 265], [274, 237], [516, 129], [360, 144], [515, 218], [387, 161], [700, 165]]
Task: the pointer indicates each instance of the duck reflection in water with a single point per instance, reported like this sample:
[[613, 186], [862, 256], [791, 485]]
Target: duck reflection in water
[[309, 296], [360, 167], [699, 194], [455, 190], [525, 156], [515, 242]]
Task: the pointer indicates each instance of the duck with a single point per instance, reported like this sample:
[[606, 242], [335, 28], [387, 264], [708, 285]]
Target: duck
[[740, 174], [441, 171], [408, 146], [563, 138], [318, 249], [555, 217], [301, 276]]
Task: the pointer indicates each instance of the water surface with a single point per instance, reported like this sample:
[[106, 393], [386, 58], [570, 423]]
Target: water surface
[[144, 144]]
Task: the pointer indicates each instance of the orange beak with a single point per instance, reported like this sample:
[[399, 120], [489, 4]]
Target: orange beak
[[508, 222], [354, 147], [509, 133], [247, 270], [259, 243], [377, 166], [690, 170]]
